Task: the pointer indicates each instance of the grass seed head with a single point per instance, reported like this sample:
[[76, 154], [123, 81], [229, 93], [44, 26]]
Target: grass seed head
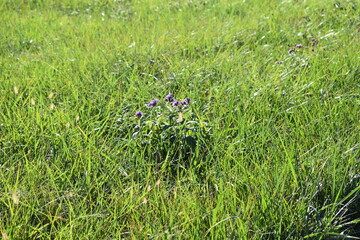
[[15, 197]]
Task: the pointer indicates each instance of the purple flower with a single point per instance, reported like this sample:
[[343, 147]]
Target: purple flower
[[291, 50], [169, 98], [186, 101], [176, 103], [299, 45], [152, 103], [138, 114]]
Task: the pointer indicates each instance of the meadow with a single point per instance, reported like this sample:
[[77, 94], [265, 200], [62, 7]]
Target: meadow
[[259, 141]]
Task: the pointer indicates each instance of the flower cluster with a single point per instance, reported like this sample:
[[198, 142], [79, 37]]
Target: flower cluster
[[169, 98], [291, 50]]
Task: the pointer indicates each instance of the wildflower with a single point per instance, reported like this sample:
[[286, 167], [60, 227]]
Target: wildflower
[[169, 98], [176, 103], [299, 45], [186, 101], [152, 103], [291, 50], [138, 114]]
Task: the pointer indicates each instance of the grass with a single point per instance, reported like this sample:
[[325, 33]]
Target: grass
[[269, 144]]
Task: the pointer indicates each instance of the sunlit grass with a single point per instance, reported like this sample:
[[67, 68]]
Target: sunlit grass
[[268, 147]]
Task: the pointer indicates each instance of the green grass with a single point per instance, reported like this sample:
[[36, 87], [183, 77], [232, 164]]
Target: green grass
[[273, 150]]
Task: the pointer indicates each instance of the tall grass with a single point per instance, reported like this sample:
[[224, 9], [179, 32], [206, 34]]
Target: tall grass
[[268, 147]]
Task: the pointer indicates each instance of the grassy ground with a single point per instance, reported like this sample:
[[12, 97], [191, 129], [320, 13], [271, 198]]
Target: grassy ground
[[268, 147]]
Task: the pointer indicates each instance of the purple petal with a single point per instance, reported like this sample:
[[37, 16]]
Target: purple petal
[[169, 98], [186, 101], [176, 103], [152, 103]]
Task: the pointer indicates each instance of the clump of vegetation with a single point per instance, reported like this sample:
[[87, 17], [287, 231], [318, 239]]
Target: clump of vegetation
[[169, 131], [267, 147]]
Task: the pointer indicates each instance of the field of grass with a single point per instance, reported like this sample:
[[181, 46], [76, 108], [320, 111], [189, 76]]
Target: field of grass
[[267, 148]]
